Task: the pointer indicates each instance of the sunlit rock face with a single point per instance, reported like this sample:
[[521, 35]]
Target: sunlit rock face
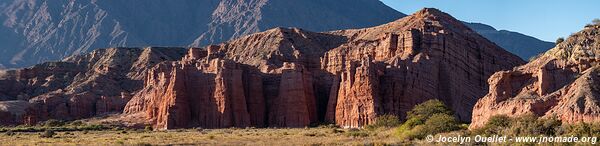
[[562, 83]]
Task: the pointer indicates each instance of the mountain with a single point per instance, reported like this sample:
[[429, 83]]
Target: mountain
[[35, 31], [561, 83], [522, 45], [97, 83], [282, 77]]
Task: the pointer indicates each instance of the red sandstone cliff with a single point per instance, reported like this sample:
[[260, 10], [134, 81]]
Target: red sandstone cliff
[[292, 78], [390, 68], [77, 87], [563, 82]]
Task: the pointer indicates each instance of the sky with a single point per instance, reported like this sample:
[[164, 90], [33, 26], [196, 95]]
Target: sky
[[544, 19]]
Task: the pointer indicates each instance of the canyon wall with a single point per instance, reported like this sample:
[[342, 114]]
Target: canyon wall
[[282, 77], [294, 77], [562, 84]]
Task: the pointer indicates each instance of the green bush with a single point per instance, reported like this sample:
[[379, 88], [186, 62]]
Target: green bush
[[559, 40], [427, 109], [356, 133], [148, 128], [439, 123], [580, 129], [495, 125], [54, 123], [530, 125], [428, 118], [385, 121]]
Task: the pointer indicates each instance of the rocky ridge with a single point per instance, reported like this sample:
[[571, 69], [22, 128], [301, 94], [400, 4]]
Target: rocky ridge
[[36, 31], [98, 83], [289, 77], [347, 77], [562, 83]]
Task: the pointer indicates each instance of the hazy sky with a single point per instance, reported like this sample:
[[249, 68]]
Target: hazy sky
[[543, 19]]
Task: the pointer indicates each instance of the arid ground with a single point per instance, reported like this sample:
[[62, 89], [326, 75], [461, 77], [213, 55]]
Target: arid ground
[[248, 136]]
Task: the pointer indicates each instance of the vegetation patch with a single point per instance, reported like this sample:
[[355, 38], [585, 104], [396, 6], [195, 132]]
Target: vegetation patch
[[428, 118]]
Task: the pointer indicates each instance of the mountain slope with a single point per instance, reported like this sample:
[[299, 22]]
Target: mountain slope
[[35, 31], [522, 45]]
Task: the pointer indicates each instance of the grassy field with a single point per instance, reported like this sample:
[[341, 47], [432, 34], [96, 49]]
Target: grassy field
[[248, 136]]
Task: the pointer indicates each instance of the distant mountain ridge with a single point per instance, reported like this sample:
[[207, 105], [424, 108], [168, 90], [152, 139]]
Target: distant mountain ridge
[[35, 31], [522, 45]]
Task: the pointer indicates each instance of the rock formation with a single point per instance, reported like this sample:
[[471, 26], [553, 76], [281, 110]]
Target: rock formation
[[348, 77], [36, 31], [562, 83], [78, 87], [292, 77]]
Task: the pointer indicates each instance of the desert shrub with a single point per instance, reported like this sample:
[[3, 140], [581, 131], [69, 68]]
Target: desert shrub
[[335, 130], [77, 123], [427, 109], [495, 125], [596, 21], [47, 134], [148, 128], [441, 123], [93, 127], [356, 133], [580, 129], [54, 123], [9, 133], [532, 58], [559, 40], [549, 126], [428, 118], [385, 121], [323, 125], [526, 125]]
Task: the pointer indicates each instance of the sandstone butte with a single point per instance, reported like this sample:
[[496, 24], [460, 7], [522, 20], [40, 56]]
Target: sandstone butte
[[278, 78], [562, 83]]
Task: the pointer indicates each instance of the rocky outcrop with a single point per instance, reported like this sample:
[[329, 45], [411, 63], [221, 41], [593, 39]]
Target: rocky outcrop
[[81, 86], [285, 77], [562, 83], [347, 77], [390, 68]]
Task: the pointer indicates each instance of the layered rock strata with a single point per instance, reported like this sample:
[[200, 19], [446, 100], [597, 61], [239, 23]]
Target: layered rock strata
[[347, 77], [293, 78], [562, 83], [78, 87]]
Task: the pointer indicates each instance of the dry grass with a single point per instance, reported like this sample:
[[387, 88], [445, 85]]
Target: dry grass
[[297, 136]]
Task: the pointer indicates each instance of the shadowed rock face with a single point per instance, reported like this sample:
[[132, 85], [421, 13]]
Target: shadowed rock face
[[563, 83], [78, 87], [292, 77], [35, 31]]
